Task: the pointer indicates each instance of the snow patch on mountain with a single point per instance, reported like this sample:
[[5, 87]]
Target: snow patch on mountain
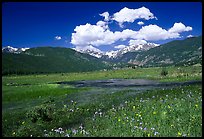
[[131, 48], [9, 49], [141, 46], [90, 50]]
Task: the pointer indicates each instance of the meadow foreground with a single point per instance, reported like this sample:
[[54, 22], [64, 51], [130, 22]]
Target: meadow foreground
[[34, 105]]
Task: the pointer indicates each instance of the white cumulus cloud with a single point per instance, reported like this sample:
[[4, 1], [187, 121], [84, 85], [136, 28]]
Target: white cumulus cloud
[[91, 36], [137, 42], [140, 23], [154, 32], [102, 24], [130, 15], [120, 46], [97, 35], [58, 38], [105, 15], [189, 36], [179, 27]]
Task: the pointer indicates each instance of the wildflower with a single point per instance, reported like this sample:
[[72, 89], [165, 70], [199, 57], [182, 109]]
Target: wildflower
[[14, 133], [23, 122], [184, 135], [148, 134], [133, 107], [169, 106], [81, 127], [118, 119], [67, 135], [61, 132], [135, 127], [56, 130], [155, 133], [154, 112], [145, 129], [74, 131], [196, 105], [179, 134], [100, 114], [152, 128]]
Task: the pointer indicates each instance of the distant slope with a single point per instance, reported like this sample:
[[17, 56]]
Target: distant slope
[[49, 60], [179, 52]]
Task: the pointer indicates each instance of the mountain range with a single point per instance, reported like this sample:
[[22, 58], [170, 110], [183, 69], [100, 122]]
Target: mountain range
[[60, 59], [113, 54], [10, 49], [178, 53], [49, 60]]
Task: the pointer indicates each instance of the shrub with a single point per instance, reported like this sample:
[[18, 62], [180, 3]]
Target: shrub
[[43, 112], [164, 72]]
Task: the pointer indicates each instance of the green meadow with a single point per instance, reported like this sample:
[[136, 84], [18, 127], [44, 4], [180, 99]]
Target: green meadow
[[34, 105]]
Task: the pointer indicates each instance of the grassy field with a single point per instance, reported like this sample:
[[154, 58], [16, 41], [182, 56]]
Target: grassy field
[[33, 105]]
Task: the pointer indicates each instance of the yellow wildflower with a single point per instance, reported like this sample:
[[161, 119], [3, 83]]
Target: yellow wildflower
[[196, 105], [154, 112], [179, 133], [118, 119]]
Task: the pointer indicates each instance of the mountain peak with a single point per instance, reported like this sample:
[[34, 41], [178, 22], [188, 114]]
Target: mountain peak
[[90, 50], [113, 54], [10, 49]]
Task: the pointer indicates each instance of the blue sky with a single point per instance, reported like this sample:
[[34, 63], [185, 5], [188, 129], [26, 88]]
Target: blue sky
[[33, 24]]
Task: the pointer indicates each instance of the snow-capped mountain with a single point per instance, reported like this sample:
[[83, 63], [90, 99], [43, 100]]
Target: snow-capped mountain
[[9, 49], [93, 53], [90, 50], [113, 54], [132, 48]]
